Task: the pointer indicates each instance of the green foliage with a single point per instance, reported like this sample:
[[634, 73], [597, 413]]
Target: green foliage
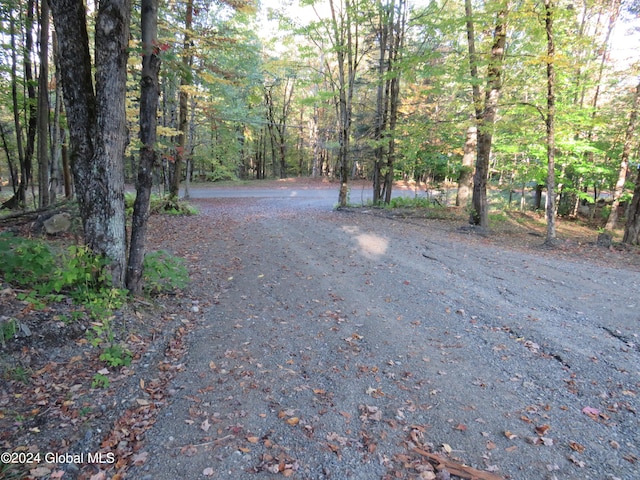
[[178, 207], [116, 356], [26, 262], [221, 173], [8, 328], [100, 381], [161, 204], [410, 202], [31, 263], [19, 373], [164, 272]]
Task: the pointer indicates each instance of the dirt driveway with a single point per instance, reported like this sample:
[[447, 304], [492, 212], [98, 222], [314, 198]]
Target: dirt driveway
[[346, 345]]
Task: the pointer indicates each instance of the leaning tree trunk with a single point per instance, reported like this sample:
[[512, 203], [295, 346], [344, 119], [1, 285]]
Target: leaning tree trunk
[[19, 193], [149, 93], [624, 162]]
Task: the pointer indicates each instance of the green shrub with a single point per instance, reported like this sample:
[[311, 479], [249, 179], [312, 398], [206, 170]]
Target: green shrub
[[116, 356], [164, 272], [8, 329], [410, 202], [25, 262]]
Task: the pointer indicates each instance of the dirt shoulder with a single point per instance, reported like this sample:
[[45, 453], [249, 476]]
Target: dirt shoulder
[[319, 344]]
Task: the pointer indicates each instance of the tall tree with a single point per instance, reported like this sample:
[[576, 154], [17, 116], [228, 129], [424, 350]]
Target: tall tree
[[624, 161], [465, 179], [390, 32], [549, 13], [149, 93], [344, 37], [183, 94], [44, 191], [97, 120], [480, 214]]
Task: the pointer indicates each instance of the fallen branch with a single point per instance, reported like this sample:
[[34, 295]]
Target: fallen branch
[[23, 217], [217, 441], [458, 469]]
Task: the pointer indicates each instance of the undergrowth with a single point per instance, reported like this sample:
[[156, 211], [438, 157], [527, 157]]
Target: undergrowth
[[47, 274], [162, 204]]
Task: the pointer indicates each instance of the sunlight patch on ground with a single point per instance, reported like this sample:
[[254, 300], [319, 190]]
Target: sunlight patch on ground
[[371, 245]]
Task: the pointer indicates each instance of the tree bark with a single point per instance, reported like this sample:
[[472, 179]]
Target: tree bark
[[183, 95], [550, 124], [19, 194], [97, 121], [465, 179], [624, 161], [385, 14], [149, 93], [345, 42], [43, 110], [480, 214]]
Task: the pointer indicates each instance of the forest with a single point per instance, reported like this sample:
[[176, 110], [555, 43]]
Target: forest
[[537, 99], [271, 336]]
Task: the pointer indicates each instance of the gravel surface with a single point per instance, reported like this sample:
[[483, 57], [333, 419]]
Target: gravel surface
[[337, 341]]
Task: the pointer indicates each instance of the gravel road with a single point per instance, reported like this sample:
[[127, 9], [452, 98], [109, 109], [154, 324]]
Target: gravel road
[[330, 344]]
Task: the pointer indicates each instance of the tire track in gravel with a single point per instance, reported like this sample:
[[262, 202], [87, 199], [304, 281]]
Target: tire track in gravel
[[337, 332]]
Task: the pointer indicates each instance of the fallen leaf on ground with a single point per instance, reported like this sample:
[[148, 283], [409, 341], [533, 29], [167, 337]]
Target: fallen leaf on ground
[[542, 429], [205, 425], [140, 458], [293, 421], [40, 472], [576, 446], [577, 462]]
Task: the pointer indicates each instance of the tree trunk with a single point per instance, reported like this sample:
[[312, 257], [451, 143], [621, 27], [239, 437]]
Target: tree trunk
[[550, 124], [97, 122], [465, 179], [396, 45], [382, 101], [480, 214], [43, 110], [32, 103], [632, 229], [19, 194], [345, 43], [149, 93], [624, 162], [185, 81]]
